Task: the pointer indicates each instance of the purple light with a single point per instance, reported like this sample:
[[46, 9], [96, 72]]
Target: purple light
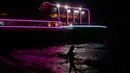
[[22, 20], [86, 26], [27, 27]]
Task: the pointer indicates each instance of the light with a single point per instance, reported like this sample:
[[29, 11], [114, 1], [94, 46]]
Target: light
[[35, 27], [54, 15], [70, 25], [21, 20], [83, 12], [56, 24], [85, 26], [80, 8], [49, 25], [66, 7], [68, 11], [58, 5], [76, 11], [1, 23], [63, 16]]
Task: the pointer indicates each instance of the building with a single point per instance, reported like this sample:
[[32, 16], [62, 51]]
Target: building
[[53, 15], [66, 14]]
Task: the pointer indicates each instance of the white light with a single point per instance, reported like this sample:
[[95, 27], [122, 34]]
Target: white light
[[80, 8], [76, 11], [86, 26], [68, 11], [66, 7], [60, 26], [71, 25], [83, 12], [1, 23], [58, 5]]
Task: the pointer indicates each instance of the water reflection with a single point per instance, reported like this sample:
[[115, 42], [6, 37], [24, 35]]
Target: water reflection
[[53, 58]]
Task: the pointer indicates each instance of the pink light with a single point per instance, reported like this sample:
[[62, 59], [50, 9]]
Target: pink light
[[28, 27], [87, 26], [22, 20]]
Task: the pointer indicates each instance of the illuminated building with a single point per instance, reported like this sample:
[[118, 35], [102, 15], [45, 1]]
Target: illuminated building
[[53, 16], [64, 13]]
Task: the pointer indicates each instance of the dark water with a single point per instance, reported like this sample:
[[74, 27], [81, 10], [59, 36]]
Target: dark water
[[52, 58]]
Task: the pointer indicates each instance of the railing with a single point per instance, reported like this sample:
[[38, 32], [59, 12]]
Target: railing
[[29, 23], [21, 23]]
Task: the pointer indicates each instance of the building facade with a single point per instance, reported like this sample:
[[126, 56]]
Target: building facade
[[68, 15]]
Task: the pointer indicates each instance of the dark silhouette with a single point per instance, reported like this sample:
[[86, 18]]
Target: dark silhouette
[[70, 57]]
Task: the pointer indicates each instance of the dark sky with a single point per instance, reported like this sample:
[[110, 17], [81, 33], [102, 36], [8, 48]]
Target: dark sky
[[102, 11]]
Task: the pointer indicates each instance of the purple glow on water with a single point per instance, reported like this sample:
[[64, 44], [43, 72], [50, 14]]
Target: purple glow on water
[[39, 58], [35, 58], [50, 59]]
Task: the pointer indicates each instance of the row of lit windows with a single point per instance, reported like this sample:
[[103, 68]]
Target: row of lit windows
[[56, 24], [63, 16], [52, 24]]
